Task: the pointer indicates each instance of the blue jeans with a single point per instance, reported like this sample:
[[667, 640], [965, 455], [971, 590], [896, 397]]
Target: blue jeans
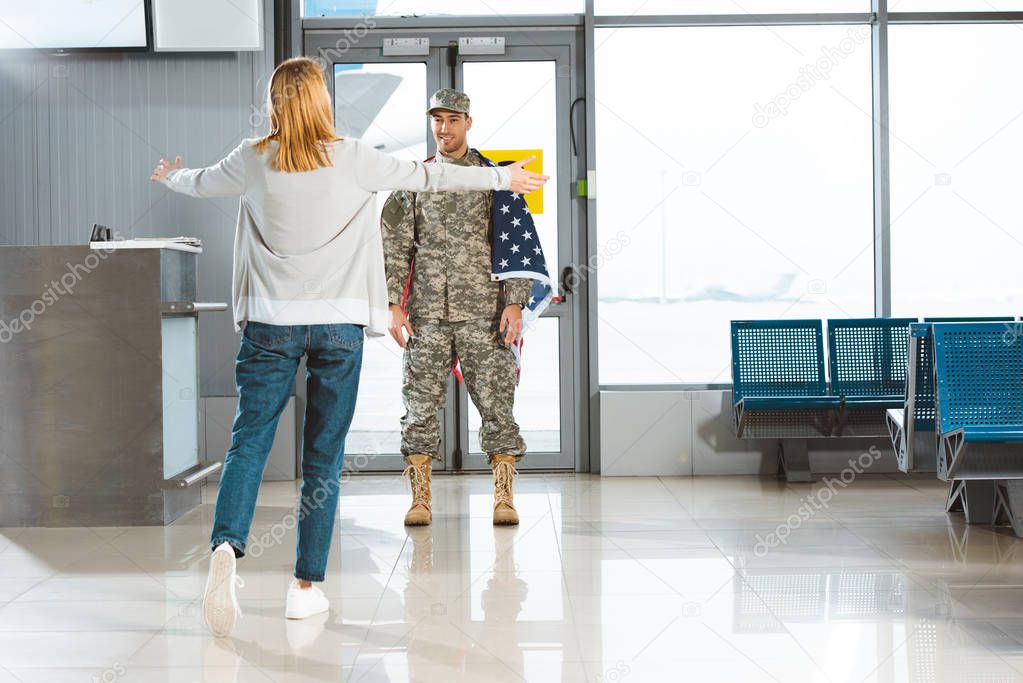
[[265, 371]]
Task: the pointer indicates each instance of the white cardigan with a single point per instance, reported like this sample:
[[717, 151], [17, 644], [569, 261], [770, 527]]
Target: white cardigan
[[308, 248]]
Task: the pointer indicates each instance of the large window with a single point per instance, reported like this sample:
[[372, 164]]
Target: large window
[[648, 7], [957, 132], [735, 181], [369, 8]]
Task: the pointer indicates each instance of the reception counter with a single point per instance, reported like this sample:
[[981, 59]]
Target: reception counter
[[99, 395]]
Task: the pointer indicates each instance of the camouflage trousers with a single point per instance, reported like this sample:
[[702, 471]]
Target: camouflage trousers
[[488, 369]]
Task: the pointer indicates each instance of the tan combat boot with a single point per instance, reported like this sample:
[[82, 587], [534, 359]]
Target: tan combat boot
[[504, 473], [418, 474]]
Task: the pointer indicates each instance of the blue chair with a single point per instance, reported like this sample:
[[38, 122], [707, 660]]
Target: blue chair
[[919, 394], [867, 360], [978, 370]]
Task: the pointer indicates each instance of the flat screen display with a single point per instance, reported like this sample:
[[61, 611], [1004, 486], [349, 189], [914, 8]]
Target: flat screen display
[[72, 24], [207, 25]]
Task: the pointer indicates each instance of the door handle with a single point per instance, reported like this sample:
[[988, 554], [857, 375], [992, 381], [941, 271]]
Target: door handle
[[190, 307], [209, 307], [193, 475], [567, 278]]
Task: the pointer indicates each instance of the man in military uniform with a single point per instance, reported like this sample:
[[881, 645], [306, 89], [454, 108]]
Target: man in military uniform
[[453, 309]]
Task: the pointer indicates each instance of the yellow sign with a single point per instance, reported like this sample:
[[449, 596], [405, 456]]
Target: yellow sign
[[534, 200]]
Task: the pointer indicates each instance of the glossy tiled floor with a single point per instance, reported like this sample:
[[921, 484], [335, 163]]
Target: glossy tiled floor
[[605, 580]]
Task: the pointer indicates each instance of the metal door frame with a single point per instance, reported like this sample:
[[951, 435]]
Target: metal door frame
[[330, 39], [561, 55]]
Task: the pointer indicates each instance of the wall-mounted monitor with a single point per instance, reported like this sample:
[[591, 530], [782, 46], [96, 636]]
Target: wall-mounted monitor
[[207, 25], [59, 25]]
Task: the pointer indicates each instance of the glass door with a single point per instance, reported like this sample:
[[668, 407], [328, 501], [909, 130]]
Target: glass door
[[520, 101]]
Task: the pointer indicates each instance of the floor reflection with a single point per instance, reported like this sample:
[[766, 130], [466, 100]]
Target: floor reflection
[[639, 579]]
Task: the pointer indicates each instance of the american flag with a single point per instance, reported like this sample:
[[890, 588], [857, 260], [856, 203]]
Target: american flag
[[515, 252]]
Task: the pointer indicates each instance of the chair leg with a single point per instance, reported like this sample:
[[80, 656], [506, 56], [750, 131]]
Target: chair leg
[[1008, 504], [954, 499], [794, 460], [978, 499]]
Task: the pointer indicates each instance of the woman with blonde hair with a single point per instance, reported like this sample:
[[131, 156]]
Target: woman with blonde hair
[[308, 281]]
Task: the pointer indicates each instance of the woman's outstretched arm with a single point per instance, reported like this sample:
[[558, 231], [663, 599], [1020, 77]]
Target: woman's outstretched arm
[[224, 179], [377, 171]]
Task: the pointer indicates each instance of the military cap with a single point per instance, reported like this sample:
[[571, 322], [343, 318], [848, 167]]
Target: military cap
[[450, 99]]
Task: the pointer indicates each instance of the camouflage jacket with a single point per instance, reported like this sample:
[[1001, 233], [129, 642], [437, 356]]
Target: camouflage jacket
[[449, 236]]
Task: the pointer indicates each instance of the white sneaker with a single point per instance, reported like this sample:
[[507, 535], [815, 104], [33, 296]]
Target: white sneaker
[[219, 602], [304, 602]]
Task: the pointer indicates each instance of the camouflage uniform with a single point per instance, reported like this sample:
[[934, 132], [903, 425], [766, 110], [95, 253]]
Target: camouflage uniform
[[455, 310]]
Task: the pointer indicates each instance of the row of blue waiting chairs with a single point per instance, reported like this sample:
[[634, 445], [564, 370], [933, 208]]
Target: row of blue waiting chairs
[[780, 388], [958, 380]]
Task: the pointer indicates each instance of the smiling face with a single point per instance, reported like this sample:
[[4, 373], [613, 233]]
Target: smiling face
[[450, 130]]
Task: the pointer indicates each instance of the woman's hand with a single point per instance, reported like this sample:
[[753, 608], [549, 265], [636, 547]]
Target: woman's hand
[[511, 323], [398, 323], [523, 181], [163, 168]]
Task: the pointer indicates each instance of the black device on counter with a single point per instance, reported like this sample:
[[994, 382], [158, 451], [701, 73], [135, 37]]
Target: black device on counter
[[100, 233]]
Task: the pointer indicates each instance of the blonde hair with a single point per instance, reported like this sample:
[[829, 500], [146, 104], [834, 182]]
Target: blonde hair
[[300, 117]]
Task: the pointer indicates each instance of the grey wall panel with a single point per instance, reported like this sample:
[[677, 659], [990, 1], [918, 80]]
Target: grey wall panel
[[82, 133], [646, 433], [18, 201]]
